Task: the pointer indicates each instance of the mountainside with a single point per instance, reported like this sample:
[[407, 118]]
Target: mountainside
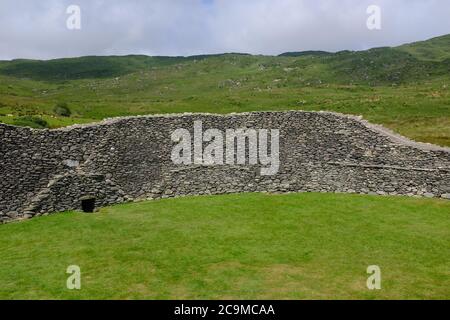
[[384, 66], [305, 53], [436, 49], [84, 67], [405, 88], [89, 66], [405, 63]]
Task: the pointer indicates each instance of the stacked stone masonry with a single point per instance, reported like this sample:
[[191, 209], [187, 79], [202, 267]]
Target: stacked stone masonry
[[125, 159]]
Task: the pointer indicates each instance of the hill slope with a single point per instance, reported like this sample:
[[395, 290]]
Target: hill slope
[[402, 64], [436, 49], [396, 87], [83, 67]]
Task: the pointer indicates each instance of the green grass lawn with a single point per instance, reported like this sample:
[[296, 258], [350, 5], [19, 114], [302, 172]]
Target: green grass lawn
[[247, 246]]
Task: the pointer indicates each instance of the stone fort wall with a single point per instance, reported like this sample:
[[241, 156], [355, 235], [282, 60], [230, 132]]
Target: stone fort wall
[[124, 159]]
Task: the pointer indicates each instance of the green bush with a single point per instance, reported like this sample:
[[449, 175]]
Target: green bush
[[62, 109], [31, 121]]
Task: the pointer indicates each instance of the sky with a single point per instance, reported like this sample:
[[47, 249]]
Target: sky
[[38, 29]]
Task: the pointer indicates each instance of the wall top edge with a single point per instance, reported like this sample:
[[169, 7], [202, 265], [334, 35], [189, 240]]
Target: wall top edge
[[392, 136]]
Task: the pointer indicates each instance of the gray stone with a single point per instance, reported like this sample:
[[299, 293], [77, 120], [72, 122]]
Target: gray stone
[[128, 158]]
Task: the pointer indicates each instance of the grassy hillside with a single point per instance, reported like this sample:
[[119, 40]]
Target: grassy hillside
[[436, 49], [397, 87], [316, 53], [252, 246]]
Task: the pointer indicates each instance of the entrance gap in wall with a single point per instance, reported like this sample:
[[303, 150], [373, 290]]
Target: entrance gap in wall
[[88, 204]]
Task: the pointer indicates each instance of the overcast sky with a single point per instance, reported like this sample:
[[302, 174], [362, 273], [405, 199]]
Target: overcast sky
[[37, 28]]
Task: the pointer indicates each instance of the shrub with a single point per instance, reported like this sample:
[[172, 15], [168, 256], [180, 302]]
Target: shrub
[[62, 109], [31, 121]]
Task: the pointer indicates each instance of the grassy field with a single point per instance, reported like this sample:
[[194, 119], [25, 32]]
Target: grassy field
[[252, 246], [406, 88]]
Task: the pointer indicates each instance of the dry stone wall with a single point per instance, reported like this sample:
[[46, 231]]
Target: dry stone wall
[[124, 159]]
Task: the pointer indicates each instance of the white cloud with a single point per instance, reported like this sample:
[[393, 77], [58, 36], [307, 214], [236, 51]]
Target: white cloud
[[37, 29]]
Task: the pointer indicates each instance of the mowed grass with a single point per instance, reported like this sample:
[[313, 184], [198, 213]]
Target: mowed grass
[[248, 246]]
